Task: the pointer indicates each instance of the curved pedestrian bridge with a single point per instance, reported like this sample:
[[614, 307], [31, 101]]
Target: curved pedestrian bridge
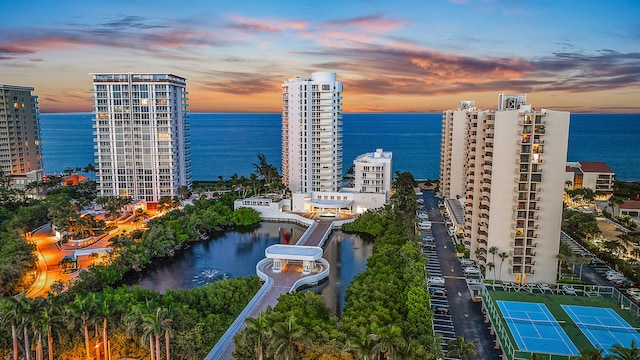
[[285, 269]]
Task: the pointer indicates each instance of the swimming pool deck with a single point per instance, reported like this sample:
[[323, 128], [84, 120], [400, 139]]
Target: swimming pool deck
[[276, 285]]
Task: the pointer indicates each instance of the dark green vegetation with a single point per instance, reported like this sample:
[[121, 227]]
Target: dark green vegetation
[[135, 321], [625, 191], [195, 319], [583, 226], [166, 235], [387, 313], [93, 311]]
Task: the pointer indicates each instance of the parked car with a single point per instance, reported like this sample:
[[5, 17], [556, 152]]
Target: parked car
[[624, 282], [466, 262], [471, 270], [437, 291], [437, 280], [428, 246], [442, 310]]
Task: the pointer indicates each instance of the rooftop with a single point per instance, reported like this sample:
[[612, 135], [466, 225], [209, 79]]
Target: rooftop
[[630, 204], [594, 166]]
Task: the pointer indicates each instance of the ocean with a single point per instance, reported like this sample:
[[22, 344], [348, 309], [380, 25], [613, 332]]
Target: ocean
[[227, 144]]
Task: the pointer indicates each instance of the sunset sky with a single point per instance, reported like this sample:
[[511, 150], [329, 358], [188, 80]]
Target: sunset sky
[[393, 56]]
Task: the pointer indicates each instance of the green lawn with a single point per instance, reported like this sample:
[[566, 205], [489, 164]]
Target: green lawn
[[553, 303]]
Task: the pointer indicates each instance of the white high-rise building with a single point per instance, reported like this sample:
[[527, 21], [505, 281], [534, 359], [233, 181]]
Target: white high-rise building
[[512, 164], [312, 133], [141, 135]]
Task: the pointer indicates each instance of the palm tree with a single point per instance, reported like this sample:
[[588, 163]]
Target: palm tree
[[591, 354], [24, 308], [493, 251], [285, 337], [491, 266], [461, 348], [561, 258], [140, 216], [259, 329], [105, 309], [625, 353], [503, 256], [390, 341], [10, 310], [134, 323], [51, 316], [361, 344], [83, 308]]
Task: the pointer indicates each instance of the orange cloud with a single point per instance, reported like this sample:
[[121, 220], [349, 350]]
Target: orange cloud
[[270, 26]]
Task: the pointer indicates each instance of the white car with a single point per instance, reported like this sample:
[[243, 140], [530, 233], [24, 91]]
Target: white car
[[436, 280], [466, 262], [615, 276], [424, 226], [471, 270]]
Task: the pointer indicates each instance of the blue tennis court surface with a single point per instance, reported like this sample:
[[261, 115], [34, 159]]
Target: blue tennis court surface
[[535, 329], [602, 326]]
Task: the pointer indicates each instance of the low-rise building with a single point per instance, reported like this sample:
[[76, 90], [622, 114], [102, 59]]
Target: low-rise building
[[629, 207], [594, 175]]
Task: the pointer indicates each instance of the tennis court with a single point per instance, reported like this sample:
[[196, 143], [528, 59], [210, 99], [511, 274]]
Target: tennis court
[[535, 329], [602, 326]]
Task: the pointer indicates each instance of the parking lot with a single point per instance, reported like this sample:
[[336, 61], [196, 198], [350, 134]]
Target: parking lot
[[455, 314], [442, 323]]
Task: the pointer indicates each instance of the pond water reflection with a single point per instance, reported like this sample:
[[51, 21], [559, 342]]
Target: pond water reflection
[[236, 254]]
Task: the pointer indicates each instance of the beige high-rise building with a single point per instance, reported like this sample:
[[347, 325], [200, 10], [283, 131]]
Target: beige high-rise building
[[312, 133], [20, 147], [512, 163]]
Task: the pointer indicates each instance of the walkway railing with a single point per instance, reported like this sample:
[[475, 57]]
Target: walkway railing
[[226, 338], [311, 279]]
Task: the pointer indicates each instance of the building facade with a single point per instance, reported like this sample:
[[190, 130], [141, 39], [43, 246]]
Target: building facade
[[594, 175], [20, 142], [141, 135], [312, 133], [513, 174], [452, 154], [372, 172]]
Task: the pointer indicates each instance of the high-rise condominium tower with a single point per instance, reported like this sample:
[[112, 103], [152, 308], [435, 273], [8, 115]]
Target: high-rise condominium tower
[[508, 165], [20, 148], [312, 133], [141, 135]]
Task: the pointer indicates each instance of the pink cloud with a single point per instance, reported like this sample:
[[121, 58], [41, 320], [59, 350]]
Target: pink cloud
[[270, 26], [370, 23]]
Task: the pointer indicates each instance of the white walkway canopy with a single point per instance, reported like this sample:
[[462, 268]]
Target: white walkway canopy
[[282, 253], [89, 252]]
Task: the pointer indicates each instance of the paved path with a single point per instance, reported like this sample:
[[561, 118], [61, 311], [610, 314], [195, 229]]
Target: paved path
[[282, 284]]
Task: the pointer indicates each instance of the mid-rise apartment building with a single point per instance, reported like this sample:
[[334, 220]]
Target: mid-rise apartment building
[[20, 142], [373, 172], [312, 133], [141, 135], [594, 175], [513, 166]]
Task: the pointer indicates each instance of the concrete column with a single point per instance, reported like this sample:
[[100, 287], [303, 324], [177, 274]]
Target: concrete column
[[277, 265], [307, 266]]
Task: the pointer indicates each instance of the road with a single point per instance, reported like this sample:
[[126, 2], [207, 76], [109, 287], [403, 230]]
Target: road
[[49, 254], [466, 315]]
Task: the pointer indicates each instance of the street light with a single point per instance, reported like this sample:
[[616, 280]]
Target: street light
[[107, 355], [98, 350]]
